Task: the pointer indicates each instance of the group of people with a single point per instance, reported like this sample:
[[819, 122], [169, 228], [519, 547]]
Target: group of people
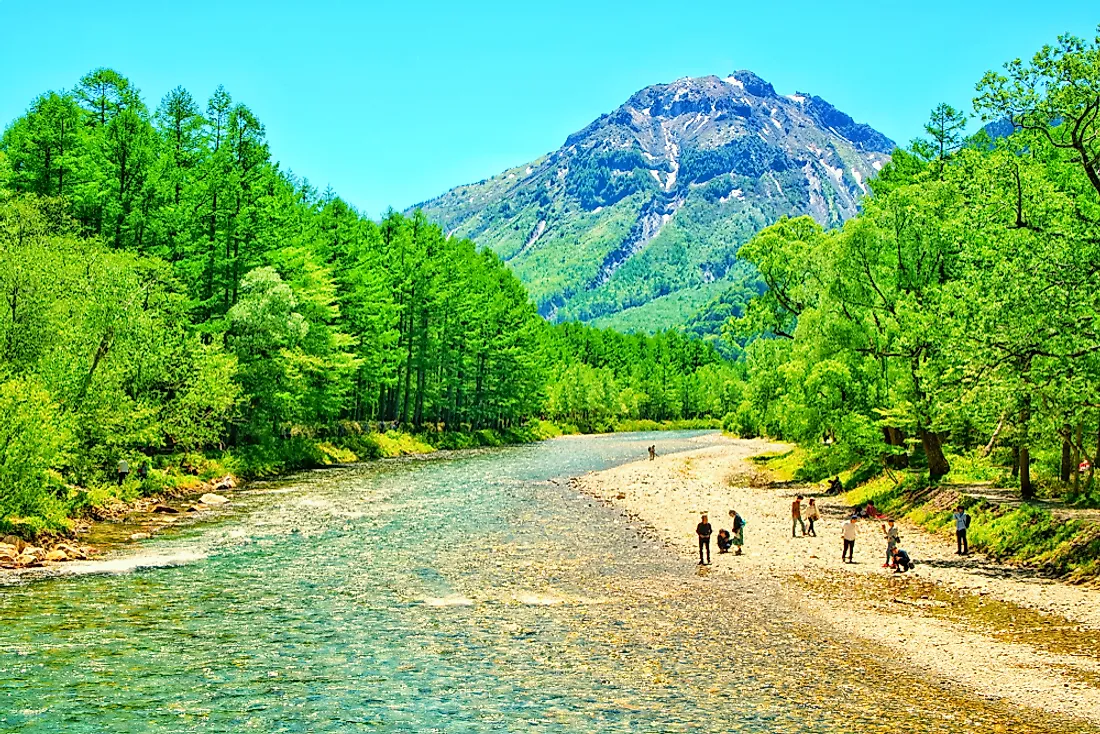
[[803, 519], [896, 558], [124, 471], [811, 515], [726, 538]]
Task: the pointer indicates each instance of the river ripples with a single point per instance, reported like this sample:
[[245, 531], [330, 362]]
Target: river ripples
[[470, 593]]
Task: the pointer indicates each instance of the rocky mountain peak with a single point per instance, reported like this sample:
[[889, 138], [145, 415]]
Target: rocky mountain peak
[[652, 200]]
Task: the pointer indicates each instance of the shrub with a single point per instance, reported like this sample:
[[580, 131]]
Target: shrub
[[32, 436]]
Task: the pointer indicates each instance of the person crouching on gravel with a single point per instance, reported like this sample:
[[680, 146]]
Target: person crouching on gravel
[[849, 532], [738, 537], [703, 530], [724, 541], [902, 561]]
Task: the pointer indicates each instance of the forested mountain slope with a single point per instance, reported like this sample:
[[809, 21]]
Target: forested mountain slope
[[636, 220]]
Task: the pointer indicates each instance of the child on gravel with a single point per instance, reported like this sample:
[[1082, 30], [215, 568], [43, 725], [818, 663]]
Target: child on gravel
[[893, 538]]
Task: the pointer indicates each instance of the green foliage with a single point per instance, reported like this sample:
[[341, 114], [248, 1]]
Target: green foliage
[[32, 437], [600, 379], [168, 295], [957, 309]]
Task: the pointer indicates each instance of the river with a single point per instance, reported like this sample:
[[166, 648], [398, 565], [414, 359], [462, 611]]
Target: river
[[469, 592]]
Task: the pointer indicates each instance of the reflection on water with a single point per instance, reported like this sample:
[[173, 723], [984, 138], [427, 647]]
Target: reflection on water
[[472, 593]]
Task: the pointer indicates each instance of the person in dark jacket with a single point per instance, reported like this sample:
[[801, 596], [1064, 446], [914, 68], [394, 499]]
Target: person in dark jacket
[[703, 530], [723, 541], [902, 561]]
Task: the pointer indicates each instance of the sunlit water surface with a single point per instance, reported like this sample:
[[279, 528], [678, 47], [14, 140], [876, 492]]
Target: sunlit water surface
[[474, 592]]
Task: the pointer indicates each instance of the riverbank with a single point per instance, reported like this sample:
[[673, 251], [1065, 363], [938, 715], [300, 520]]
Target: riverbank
[[1000, 631]]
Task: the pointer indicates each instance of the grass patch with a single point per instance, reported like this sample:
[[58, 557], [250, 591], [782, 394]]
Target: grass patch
[[782, 466]]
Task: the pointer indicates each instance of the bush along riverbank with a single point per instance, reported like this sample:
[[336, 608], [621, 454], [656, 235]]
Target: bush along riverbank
[[1050, 534]]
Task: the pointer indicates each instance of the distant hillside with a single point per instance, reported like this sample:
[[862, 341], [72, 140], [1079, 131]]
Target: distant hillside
[[636, 221]]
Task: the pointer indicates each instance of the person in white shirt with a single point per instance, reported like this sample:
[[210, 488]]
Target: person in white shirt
[[848, 531]]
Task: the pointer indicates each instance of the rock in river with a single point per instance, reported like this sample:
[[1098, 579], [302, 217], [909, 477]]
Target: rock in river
[[212, 499]]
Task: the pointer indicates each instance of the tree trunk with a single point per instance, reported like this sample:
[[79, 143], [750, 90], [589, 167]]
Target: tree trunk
[[895, 438], [1026, 490], [1096, 458], [933, 450], [1077, 459], [1067, 453], [993, 439]]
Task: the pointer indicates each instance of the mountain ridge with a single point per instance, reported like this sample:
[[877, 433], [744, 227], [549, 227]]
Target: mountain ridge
[[654, 198]]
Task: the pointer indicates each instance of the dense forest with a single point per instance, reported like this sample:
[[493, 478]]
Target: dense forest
[[168, 293], [957, 314]]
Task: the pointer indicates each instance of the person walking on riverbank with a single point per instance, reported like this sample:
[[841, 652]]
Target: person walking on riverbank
[[653, 452], [738, 537], [703, 530], [893, 538], [123, 471], [849, 532], [812, 515], [796, 516], [962, 524]]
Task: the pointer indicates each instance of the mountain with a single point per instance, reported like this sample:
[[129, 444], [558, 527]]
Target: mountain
[[636, 220]]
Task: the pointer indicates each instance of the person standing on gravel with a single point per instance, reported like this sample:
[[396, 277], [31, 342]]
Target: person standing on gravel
[[962, 524], [811, 515], [849, 533], [703, 530], [893, 538], [738, 537], [796, 516]]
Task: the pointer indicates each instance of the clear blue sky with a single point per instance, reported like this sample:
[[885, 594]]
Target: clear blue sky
[[391, 104]]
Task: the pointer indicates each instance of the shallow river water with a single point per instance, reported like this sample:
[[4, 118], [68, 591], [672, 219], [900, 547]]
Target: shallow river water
[[473, 592]]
